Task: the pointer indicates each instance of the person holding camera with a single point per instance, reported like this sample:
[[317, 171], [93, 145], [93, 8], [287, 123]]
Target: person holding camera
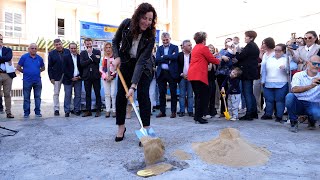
[[305, 96], [303, 53]]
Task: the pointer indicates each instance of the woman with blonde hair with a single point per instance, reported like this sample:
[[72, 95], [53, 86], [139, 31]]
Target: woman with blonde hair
[[108, 75]]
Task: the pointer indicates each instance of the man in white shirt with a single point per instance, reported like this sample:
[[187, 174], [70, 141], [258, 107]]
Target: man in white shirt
[[185, 87], [305, 96], [72, 78]]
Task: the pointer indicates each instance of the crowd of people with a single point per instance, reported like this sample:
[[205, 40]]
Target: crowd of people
[[284, 77]]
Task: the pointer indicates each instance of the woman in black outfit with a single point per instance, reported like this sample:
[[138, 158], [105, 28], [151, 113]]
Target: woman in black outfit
[[132, 47], [248, 63]]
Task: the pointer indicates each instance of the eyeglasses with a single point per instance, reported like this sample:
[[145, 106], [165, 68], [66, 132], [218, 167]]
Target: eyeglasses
[[305, 38], [315, 64]]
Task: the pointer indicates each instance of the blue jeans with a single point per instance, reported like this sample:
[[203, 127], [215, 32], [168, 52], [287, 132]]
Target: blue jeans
[[297, 107], [27, 87], [185, 89], [277, 95], [247, 90], [77, 85]]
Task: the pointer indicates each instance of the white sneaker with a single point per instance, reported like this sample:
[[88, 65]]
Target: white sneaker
[[233, 119]]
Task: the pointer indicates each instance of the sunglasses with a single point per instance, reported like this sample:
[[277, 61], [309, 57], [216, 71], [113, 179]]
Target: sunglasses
[[308, 38], [315, 64], [1, 39]]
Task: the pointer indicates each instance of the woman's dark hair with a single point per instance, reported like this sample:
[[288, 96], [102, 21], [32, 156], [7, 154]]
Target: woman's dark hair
[[251, 34], [314, 34], [283, 47], [269, 42], [199, 37], [143, 9]]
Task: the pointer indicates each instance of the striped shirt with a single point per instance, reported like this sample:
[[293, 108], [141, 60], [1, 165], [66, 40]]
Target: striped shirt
[[302, 79]]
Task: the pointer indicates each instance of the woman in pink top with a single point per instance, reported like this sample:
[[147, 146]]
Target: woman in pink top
[[108, 74], [198, 74]]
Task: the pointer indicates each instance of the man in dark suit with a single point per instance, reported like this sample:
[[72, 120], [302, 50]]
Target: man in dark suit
[[167, 72], [185, 86], [89, 60], [55, 71], [5, 79], [72, 71]]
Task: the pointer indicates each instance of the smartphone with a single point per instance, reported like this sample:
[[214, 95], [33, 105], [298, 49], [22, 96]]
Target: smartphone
[[294, 46]]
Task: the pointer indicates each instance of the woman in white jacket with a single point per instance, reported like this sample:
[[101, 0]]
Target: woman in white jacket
[[108, 75]]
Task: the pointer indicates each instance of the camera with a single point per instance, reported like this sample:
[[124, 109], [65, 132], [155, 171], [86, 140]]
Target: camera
[[294, 46]]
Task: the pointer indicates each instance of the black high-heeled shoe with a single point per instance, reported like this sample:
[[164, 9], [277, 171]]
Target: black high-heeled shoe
[[118, 139], [201, 121]]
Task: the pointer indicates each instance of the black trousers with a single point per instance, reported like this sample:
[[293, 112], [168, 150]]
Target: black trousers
[[162, 81], [142, 95], [220, 79], [211, 110], [200, 90], [88, 88], [1, 105]]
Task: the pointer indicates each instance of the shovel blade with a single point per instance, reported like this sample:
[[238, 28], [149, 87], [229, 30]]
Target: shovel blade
[[145, 132], [227, 115]]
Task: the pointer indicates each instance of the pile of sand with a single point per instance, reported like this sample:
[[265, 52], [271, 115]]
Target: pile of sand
[[181, 155], [153, 149], [232, 150]]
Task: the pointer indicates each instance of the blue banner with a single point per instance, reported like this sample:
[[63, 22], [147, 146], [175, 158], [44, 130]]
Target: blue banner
[[101, 33]]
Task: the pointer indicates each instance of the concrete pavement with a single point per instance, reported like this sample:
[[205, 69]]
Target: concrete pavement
[[84, 148]]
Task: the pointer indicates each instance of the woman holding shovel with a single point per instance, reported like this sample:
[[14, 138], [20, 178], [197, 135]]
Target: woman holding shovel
[[132, 48]]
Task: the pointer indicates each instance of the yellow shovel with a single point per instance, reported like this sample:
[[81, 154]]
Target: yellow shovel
[[226, 113]]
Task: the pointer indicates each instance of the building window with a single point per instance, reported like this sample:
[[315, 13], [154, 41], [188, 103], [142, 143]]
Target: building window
[[61, 28], [12, 24]]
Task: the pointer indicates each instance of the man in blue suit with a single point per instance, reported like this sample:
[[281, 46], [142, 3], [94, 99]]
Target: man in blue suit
[[167, 72], [55, 71]]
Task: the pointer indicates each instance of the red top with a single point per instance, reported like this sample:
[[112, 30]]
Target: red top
[[200, 58]]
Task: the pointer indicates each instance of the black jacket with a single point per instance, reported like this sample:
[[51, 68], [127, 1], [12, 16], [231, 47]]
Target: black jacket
[[68, 69], [122, 43], [248, 61], [90, 65], [181, 63], [55, 64]]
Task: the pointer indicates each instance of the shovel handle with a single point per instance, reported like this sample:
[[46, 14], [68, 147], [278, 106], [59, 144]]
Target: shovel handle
[[224, 98], [123, 82]]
